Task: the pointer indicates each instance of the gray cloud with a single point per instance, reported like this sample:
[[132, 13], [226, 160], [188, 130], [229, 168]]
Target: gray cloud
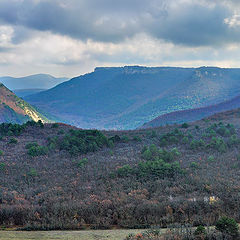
[[188, 23], [195, 25]]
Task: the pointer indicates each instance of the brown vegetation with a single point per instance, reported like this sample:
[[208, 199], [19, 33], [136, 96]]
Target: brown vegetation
[[64, 187]]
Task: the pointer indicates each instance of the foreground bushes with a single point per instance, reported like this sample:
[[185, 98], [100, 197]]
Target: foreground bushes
[[10, 129], [35, 150], [81, 141], [159, 164], [225, 228], [147, 187]]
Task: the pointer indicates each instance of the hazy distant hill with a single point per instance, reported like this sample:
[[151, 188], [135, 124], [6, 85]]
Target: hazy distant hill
[[38, 81], [193, 114], [15, 110], [25, 92], [127, 97]]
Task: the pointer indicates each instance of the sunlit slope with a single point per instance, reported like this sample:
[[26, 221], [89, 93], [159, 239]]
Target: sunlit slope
[[14, 109]]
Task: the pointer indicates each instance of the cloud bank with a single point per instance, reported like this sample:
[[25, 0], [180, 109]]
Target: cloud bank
[[72, 36]]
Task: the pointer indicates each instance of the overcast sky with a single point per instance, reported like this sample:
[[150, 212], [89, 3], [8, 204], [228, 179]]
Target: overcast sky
[[71, 37]]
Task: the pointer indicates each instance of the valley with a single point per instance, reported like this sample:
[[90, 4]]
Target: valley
[[119, 120], [127, 97]]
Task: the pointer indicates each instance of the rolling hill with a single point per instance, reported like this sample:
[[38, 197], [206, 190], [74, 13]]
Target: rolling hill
[[15, 110], [55, 176], [191, 115], [37, 81], [127, 97]]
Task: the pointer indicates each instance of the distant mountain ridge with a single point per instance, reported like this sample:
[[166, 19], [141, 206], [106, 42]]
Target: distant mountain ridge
[[37, 81], [191, 115], [127, 97], [15, 110], [26, 92]]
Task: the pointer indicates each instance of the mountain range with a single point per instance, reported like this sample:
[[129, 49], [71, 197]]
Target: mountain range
[[127, 97], [15, 110], [37, 81]]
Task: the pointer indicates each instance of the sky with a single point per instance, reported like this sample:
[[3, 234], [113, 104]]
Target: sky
[[67, 38]]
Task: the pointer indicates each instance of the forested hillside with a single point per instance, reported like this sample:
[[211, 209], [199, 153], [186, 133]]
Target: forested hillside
[[55, 176], [127, 97], [191, 115]]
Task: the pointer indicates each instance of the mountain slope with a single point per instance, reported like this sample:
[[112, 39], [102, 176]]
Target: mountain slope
[[59, 177], [38, 81], [193, 114], [125, 98], [15, 110]]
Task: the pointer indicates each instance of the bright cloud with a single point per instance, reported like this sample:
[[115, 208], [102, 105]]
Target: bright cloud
[[71, 37]]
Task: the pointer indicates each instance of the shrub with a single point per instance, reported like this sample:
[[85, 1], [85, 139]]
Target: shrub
[[13, 141], [228, 226], [212, 133], [35, 151], [115, 139], [32, 172], [185, 140], [184, 125], [197, 144], [83, 141], [231, 129], [125, 138], [137, 139], [194, 165], [31, 144], [31, 123], [40, 124], [159, 163], [218, 144], [55, 125], [157, 168], [60, 132], [110, 144], [163, 142], [82, 162], [154, 153], [190, 135], [171, 138], [200, 231], [9, 129], [74, 151], [2, 167], [211, 159], [223, 131], [147, 154], [234, 140], [124, 171], [1, 152], [52, 146], [153, 134]]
